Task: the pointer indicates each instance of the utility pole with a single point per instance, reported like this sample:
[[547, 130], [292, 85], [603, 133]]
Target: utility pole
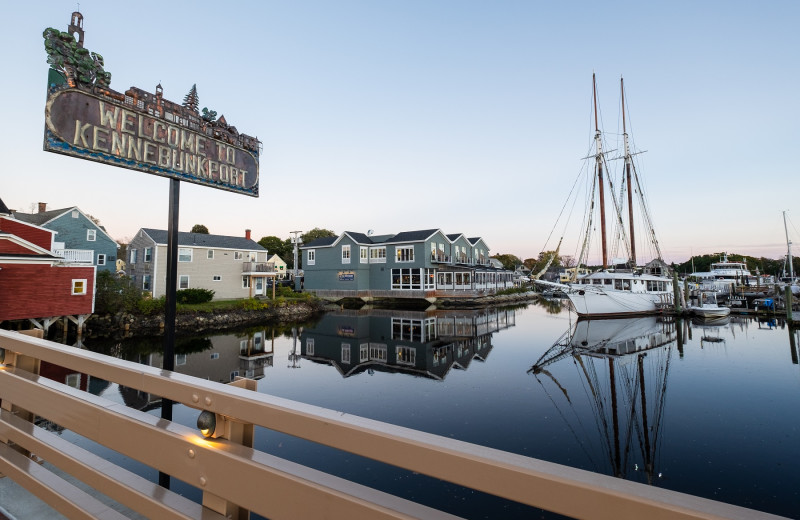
[[296, 242]]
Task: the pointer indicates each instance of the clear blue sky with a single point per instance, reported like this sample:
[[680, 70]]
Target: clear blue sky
[[468, 116]]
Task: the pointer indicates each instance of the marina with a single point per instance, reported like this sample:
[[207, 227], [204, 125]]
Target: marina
[[706, 408]]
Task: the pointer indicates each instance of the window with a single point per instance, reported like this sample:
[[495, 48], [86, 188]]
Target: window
[[91, 235], [311, 255], [377, 352], [146, 283], [74, 213], [252, 256], [346, 353], [363, 352], [404, 254], [214, 355], [217, 278], [406, 355], [364, 255], [184, 254], [346, 254], [309, 346], [101, 259], [183, 281], [377, 255], [79, 287], [407, 278], [245, 282], [238, 255], [210, 254], [406, 329], [148, 254]]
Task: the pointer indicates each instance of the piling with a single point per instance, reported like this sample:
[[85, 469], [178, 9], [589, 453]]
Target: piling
[[676, 292], [788, 302]]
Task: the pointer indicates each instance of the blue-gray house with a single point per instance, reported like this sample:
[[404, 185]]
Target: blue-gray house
[[78, 238], [424, 264]]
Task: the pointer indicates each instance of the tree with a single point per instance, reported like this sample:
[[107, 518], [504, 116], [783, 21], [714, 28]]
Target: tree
[[115, 294], [191, 100], [315, 234], [200, 228], [276, 246], [77, 64], [509, 261]]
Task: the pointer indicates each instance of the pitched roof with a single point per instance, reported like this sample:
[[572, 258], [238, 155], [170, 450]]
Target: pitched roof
[[160, 236], [412, 236], [360, 238], [3, 208], [321, 242], [41, 217]]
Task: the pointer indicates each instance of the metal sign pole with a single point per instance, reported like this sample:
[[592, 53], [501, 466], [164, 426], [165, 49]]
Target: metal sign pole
[[170, 305]]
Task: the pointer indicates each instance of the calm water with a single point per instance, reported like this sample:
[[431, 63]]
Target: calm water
[[709, 410]]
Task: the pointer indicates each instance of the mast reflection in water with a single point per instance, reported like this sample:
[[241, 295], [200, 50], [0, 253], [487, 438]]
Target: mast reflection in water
[[426, 344], [623, 366]]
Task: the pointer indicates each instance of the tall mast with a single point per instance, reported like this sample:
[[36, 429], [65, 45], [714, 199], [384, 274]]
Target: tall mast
[[599, 158], [628, 176], [788, 248]]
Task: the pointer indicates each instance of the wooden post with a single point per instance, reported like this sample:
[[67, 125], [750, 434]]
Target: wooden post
[[239, 433], [676, 292], [788, 302]]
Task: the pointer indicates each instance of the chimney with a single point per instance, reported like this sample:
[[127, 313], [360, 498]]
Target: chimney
[[247, 234], [42, 207]]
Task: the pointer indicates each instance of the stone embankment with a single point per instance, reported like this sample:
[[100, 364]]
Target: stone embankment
[[485, 301], [127, 323]]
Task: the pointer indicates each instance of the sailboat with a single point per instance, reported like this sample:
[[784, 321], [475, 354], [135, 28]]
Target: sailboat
[[789, 278], [621, 288]]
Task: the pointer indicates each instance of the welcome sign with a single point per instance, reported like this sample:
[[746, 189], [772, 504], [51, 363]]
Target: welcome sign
[[139, 130]]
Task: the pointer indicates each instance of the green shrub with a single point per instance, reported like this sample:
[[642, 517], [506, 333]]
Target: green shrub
[[115, 293], [152, 306], [252, 304], [194, 296]]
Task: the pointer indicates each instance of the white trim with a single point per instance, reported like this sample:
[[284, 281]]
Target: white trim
[[75, 282], [91, 235], [183, 249], [180, 277]]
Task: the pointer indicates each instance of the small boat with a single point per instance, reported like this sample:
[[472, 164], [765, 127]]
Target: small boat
[[708, 307]]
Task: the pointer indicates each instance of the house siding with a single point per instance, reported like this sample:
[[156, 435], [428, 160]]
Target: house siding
[[201, 270], [41, 237], [41, 290], [73, 231]]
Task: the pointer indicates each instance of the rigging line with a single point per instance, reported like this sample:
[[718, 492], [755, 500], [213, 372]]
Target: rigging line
[[569, 196], [569, 425], [600, 419]]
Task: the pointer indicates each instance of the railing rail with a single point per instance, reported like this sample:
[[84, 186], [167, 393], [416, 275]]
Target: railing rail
[[273, 487], [80, 256]]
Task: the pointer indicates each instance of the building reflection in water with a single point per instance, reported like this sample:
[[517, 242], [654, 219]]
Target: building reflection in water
[[623, 367], [422, 343]]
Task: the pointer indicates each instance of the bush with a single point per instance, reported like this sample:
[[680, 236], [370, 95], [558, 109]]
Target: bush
[[194, 296], [115, 293], [252, 304], [152, 306]]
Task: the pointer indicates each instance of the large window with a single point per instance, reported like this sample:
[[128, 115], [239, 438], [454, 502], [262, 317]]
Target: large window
[[413, 278], [404, 254], [406, 355], [184, 254], [377, 255], [134, 255], [245, 282], [364, 252], [311, 256], [148, 254], [346, 254]]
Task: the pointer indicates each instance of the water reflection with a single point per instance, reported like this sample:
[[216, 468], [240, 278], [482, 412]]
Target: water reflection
[[623, 367], [422, 343]]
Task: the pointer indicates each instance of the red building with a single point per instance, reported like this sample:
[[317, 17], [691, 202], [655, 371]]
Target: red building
[[34, 283]]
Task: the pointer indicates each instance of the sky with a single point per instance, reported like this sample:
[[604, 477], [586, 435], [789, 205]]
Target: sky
[[468, 116]]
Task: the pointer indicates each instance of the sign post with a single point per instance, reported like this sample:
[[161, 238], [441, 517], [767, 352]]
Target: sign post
[[142, 131]]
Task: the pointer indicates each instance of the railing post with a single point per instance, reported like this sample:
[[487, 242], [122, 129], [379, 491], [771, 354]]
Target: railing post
[[239, 433], [28, 364]]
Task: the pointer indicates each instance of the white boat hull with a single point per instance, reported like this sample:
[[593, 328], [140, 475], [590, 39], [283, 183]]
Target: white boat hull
[[610, 302], [710, 311]]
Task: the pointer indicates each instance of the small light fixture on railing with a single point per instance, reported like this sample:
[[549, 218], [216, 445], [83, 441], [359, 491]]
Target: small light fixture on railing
[[212, 425]]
